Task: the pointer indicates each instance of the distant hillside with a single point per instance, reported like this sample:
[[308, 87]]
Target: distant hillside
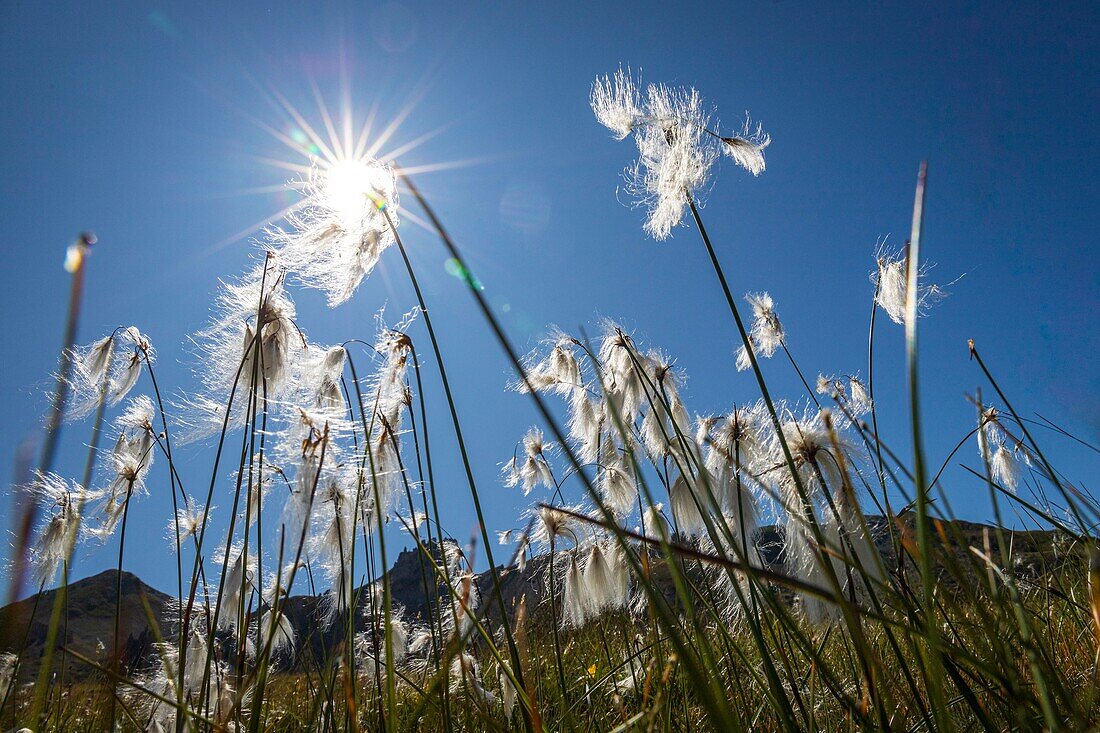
[[91, 621], [92, 600]]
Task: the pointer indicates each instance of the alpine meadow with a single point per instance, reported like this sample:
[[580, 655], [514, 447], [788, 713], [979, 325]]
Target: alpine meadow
[[776, 563]]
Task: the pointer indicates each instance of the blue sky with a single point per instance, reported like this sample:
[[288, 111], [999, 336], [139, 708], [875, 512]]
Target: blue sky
[[144, 122]]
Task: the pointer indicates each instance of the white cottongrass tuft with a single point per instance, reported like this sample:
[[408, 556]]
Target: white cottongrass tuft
[[616, 481], [236, 587], [586, 422], [138, 415], [8, 662], [187, 522], [322, 370], [767, 331], [335, 521], [467, 599], [747, 148], [606, 576], [106, 370], [849, 391], [859, 399], [507, 690], [532, 469], [891, 286], [855, 558], [136, 350], [1004, 467], [666, 422], [465, 678], [372, 657], [336, 237], [685, 510], [992, 432], [57, 535], [622, 384], [252, 344], [575, 599], [676, 144], [817, 459], [654, 525], [675, 155], [552, 523], [736, 445], [557, 372], [635, 671], [828, 386], [766, 334], [617, 103], [277, 631], [128, 463], [218, 699], [744, 361]]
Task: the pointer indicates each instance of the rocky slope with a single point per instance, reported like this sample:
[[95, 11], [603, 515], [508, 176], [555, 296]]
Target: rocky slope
[[91, 601]]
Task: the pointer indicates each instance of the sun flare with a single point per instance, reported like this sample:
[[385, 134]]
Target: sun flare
[[349, 185]]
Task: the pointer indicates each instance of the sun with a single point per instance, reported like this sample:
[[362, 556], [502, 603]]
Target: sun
[[347, 185], [337, 162]]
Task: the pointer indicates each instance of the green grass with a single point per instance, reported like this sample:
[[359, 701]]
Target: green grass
[[936, 627]]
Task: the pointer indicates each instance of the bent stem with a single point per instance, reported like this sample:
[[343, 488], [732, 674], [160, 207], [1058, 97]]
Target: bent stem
[[513, 651], [716, 704], [53, 434]]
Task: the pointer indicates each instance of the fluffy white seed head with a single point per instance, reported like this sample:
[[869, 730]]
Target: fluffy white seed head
[[654, 524], [127, 465], [666, 421], [735, 444], [57, 534], [767, 331], [812, 449], [747, 147], [606, 576], [187, 522], [507, 691], [685, 510], [585, 425], [744, 360], [8, 662], [675, 156], [616, 481], [276, 630], [335, 238], [138, 415], [465, 679], [828, 386], [676, 145], [621, 380], [617, 103], [251, 344], [535, 469], [1004, 467], [322, 369], [576, 602], [891, 281], [859, 399], [552, 523], [106, 370], [236, 587]]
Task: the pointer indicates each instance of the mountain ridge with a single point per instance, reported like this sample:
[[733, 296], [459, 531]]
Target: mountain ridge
[[91, 601]]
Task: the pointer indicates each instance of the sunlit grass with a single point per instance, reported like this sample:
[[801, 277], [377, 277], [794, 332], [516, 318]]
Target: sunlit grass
[[638, 592]]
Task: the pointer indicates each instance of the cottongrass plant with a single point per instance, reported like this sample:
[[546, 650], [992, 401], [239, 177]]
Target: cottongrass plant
[[677, 568]]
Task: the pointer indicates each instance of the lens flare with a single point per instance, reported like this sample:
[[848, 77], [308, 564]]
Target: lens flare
[[454, 268]]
